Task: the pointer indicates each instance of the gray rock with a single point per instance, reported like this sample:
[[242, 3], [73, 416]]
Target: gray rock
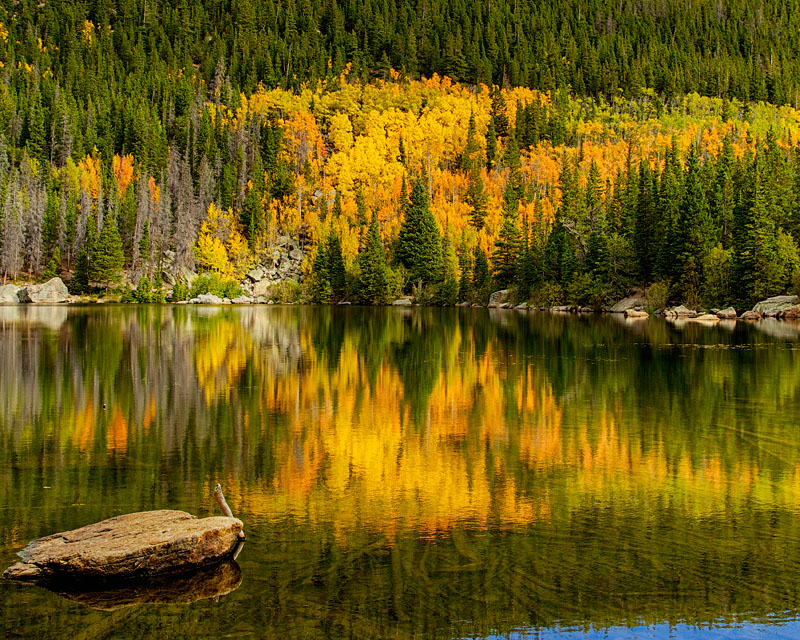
[[344, 302], [629, 303], [9, 293], [634, 313], [680, 312], [402, 302], [243, 300], [54, 290], [522, 307], [282, 241], [146, 543], [727, 314], [561, 309], [498, 297], [771, 307], [297, 254], [256, 275], [207, 298]]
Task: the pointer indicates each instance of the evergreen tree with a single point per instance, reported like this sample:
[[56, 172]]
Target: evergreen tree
[[419, 246], [373, 273], [107, 257]]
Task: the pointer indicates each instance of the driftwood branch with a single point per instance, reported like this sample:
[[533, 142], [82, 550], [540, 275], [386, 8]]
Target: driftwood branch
[[226, 510]]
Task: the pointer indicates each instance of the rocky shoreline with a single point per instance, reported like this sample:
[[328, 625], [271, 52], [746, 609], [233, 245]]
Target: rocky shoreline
[[782, 307]]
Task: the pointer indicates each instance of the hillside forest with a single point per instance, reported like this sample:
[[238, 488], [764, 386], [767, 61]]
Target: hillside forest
[[140, 142]]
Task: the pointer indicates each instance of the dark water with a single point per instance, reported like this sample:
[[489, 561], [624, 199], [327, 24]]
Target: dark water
[[413, 473]]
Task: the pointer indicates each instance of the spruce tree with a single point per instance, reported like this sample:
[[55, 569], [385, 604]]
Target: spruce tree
[[336, 268], [419, 246], [107, 257], [373, 273], [321, 290]]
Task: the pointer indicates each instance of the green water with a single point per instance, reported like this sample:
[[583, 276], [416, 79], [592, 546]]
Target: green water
[[413, 473]]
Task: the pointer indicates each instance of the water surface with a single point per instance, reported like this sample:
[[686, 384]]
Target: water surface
[[415, 473]]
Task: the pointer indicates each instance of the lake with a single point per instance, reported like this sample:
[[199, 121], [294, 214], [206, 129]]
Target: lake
[[412, 473]]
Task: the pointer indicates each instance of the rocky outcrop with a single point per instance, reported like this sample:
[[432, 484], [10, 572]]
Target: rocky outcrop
[[792, 313], [727, 314], [639, 315], [54, 290], [680, 312], [750, 315], [629, 303], [9, 293], [772, 307], [207, 298], [129, 546], [497, 298]]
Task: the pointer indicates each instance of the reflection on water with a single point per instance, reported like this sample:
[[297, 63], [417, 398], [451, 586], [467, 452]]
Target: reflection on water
[[416, 472], [211, 582]]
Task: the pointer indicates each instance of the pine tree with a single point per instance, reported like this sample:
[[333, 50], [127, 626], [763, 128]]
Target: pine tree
[[480, 275], [336, 268], [321, 290], [505, 257], [373, 275], [107, 257], [477, 199], [419, 246]]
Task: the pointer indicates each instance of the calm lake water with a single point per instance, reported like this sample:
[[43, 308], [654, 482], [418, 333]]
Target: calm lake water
[[412, 473]]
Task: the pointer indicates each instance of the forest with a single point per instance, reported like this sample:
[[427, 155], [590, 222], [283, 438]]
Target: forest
[[570, 151]]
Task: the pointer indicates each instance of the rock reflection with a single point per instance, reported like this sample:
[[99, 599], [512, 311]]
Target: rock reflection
[[211, 582]]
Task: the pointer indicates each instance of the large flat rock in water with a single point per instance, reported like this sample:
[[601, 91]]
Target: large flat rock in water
[[133, 545]]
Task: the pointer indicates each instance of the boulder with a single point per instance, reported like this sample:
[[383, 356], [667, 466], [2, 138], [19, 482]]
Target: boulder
[[750, 315], [635, 313], [561, 309], [792, 313], [207, 298], [256, 275], [9, 293], [498, 297], [771, 307], [707, 318], [402, 302], [136, 544], [680, 312], [297, 255], [243, 300], [727, 314], [54, 290], [522, 307], [629, 303]]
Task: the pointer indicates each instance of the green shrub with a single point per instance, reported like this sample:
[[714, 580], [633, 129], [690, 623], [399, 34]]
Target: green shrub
[[212, 283], [550, 294], [286, 291], [657, 294]]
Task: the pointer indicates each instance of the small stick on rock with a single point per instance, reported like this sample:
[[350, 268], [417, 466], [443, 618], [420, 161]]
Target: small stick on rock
[[226, 510]]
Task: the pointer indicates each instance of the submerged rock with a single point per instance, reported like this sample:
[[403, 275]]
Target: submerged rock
[[54, 290], [136, 544], [708, 318], [210, 582]]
